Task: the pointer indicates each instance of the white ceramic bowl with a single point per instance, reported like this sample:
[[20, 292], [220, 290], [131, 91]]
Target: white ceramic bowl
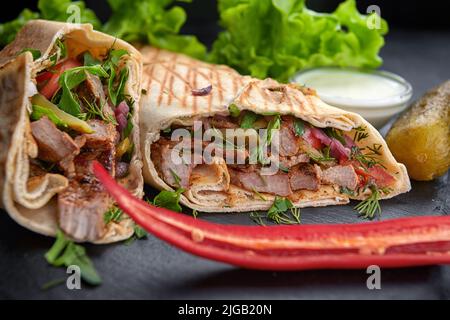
[[375, 95]]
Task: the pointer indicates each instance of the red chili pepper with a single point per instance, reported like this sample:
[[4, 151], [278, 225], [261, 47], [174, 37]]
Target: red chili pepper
[[392, 243]]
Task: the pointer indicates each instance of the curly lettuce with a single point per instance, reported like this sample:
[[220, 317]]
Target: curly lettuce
[[49, 10], [276, 38], [155, 22]]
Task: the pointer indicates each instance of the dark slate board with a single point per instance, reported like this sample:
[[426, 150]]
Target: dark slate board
[[152, 269]]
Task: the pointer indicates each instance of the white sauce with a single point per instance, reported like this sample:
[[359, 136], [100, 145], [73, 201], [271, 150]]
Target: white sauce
[[377, 96], [350, 84]]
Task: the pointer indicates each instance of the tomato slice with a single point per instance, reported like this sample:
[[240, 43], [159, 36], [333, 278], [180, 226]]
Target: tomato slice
[[381, 177], [49, 89]]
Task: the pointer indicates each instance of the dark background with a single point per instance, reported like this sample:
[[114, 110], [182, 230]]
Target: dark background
[[417, 47]]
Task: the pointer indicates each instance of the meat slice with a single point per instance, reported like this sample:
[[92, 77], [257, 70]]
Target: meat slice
[[289, 162], [81, 208], [305, 177], [53, 144], [222, 122], [289, 143], [171, 171], [82, 205], [104, 136], [344, 176], [92, 91], [277, 184]]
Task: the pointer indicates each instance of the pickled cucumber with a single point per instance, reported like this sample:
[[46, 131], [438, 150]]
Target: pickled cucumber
[[420, 138]]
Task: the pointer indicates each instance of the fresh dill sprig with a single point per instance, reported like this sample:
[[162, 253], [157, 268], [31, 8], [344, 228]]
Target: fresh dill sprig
[[370, 208], [325, 157], [366, 159], [93, 111], [360, 134], [257, 218]]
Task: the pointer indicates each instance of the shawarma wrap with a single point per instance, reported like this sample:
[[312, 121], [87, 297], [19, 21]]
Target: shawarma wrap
[[76, 102], [326, 156]]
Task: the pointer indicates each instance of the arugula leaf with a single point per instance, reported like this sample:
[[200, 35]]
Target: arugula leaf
[[71, 79], [169, 200], [152, 21], [273, 38], [299, 127], [274, 124], [65, 252], [34, 52], [89, 60], [116, 84], [248, 120]]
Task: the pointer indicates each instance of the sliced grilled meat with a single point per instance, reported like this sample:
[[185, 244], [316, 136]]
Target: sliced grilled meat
[[277, 184], [80, 210], [344, 176], [171, 172], [53, 144], [304, 177]]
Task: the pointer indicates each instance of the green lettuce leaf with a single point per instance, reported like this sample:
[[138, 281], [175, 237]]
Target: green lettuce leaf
[[154, 22], [276, 38]]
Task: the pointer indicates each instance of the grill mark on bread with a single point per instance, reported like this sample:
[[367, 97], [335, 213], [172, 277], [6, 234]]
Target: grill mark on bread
[[163, 84], [172, 77]]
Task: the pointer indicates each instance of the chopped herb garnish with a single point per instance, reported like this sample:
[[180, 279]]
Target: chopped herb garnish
[[138, 234], [368, 159], [169, 200], [360, 134], [277, 212], [335, 133], [248, 120], [282, 211], [234, 110], [370, 208], [324, 157], [93, 111], [299, 127], [257, 218], [114, 214], [65, 252]]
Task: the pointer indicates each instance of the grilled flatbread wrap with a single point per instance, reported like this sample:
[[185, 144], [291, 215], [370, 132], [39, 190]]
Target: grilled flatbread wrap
[[180, 89], [46, 181]]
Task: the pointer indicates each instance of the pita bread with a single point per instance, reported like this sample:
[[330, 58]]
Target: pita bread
[[30, 201], [169, 78]]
